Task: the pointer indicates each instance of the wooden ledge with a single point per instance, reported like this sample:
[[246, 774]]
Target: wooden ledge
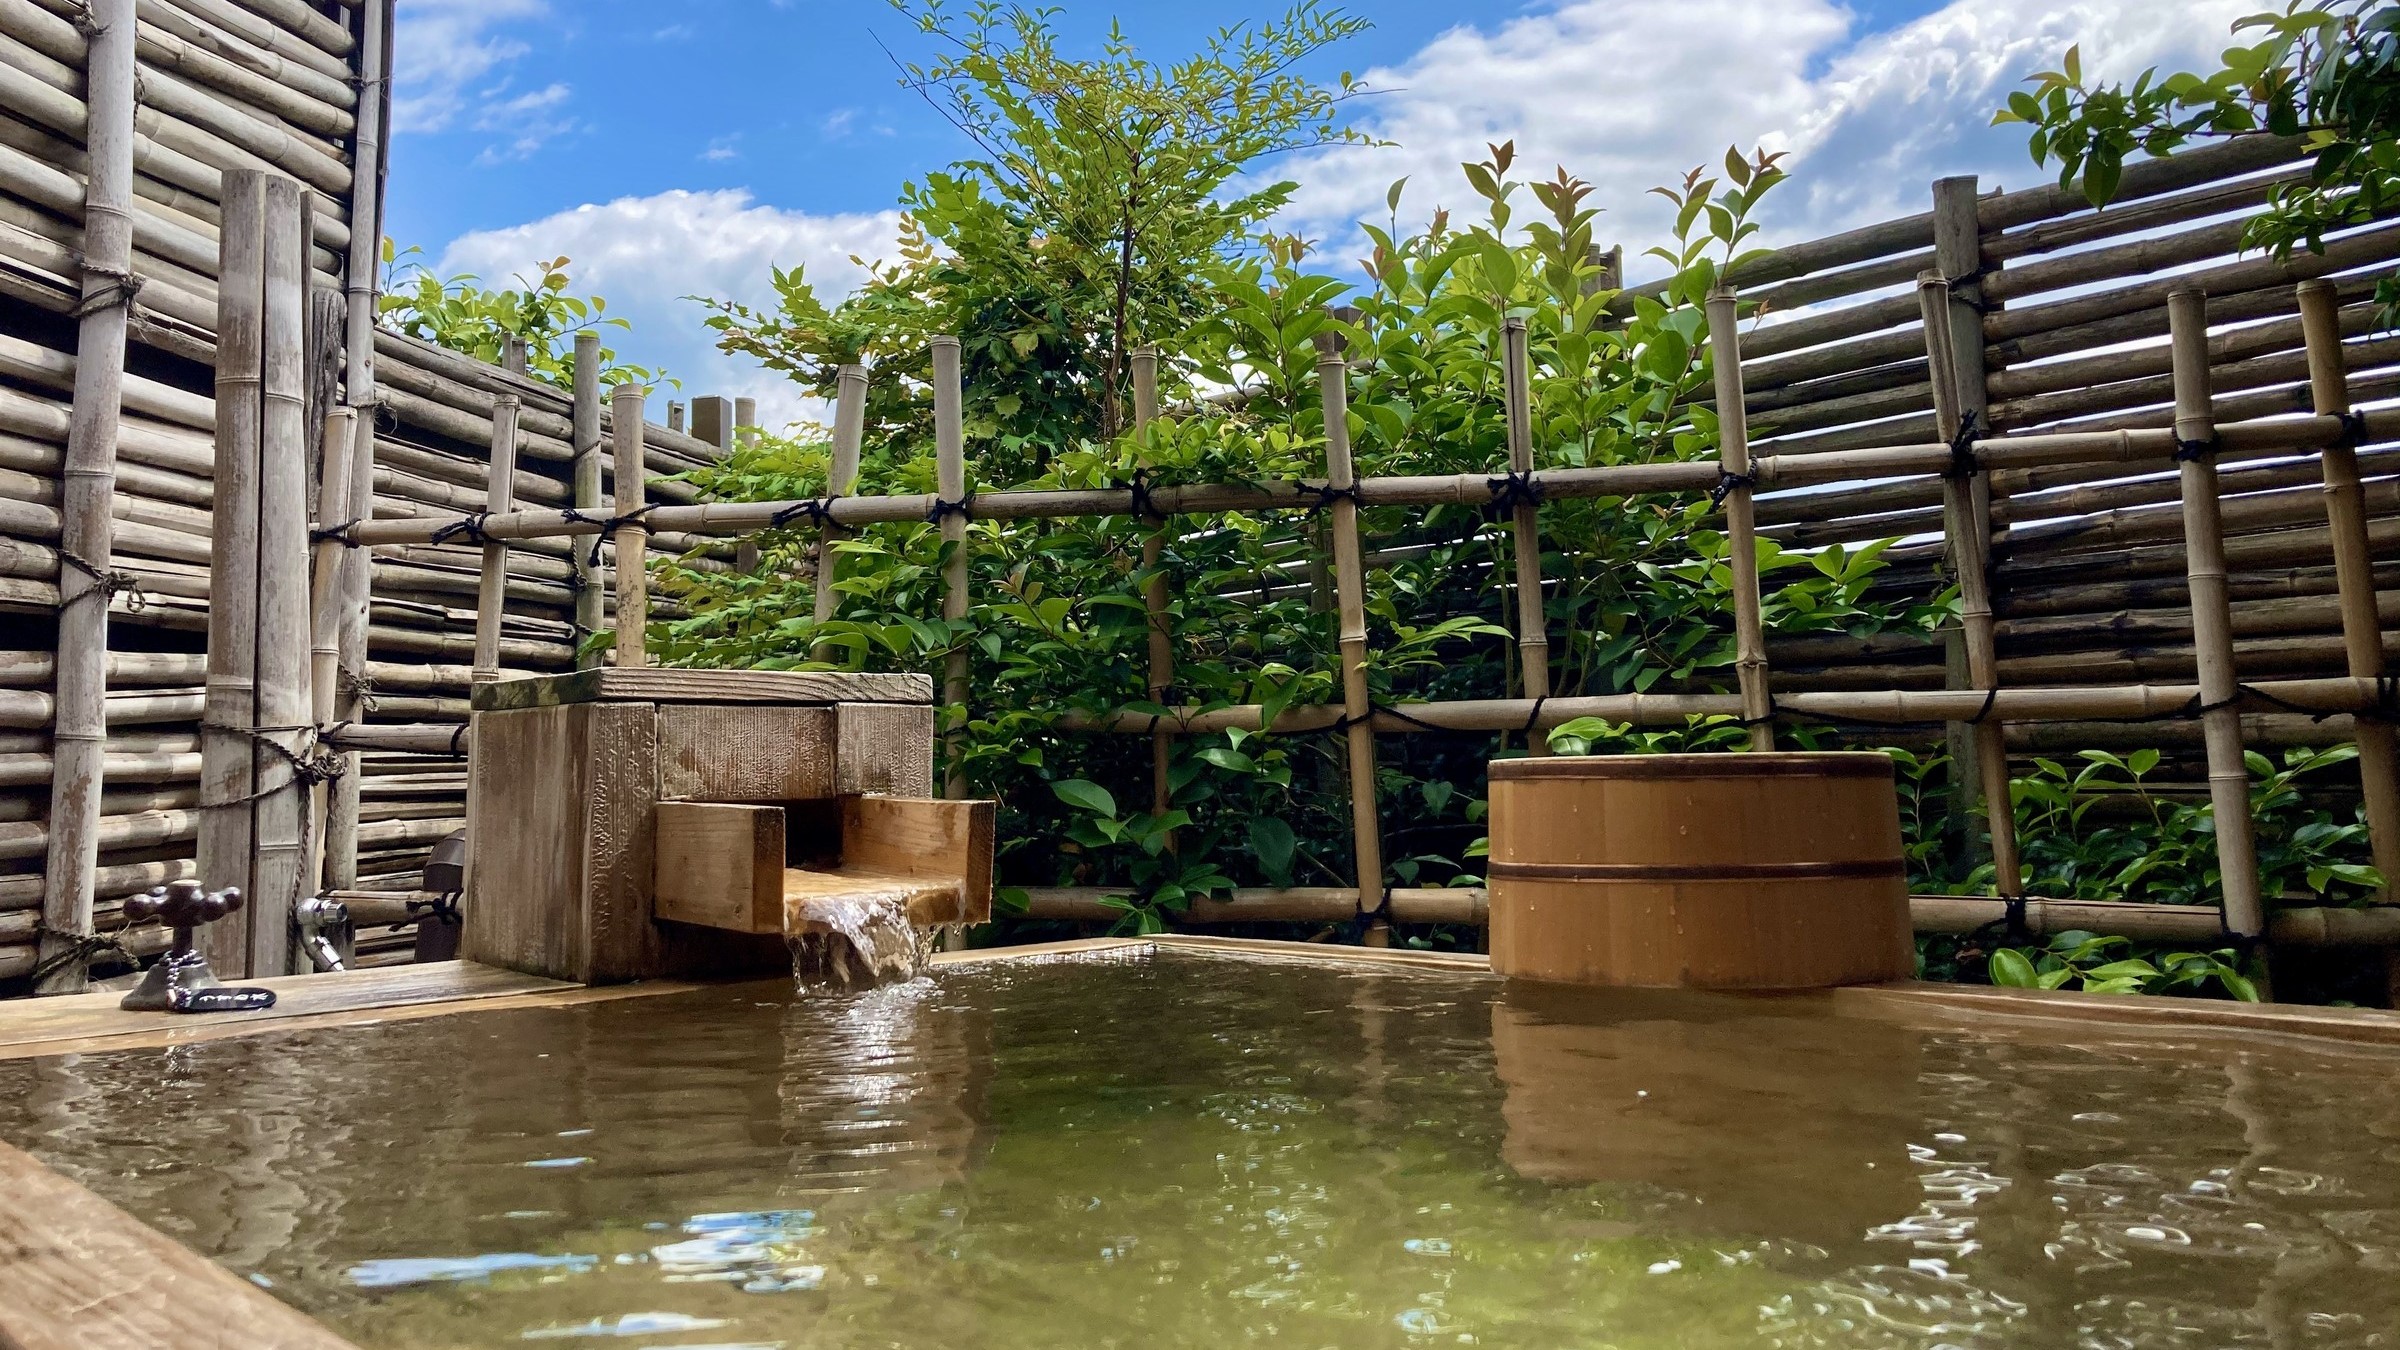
[[668, 684], [82, 1274], [93, 1023]]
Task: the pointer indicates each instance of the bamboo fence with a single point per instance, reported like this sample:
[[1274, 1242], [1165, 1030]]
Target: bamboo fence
[[140, 118], [2046, 328]]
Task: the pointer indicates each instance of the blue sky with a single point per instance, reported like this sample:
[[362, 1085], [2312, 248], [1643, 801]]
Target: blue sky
[[683, 148]]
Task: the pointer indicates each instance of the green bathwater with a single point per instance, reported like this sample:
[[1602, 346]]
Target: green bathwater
[[1192, 1150]]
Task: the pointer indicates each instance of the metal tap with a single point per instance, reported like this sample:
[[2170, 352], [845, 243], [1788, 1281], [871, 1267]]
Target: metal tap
[[316, 917], [181, 981]]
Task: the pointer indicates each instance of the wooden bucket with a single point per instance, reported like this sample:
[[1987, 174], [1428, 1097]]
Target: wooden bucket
[[1724, 871]]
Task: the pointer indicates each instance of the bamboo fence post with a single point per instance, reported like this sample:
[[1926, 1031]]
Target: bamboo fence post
[[587, 580], [358, 388], [1741, 527], [1154, 593], [950, 480], [745, 419], [2354, 572], [285, 725], [353, 697], [1533, 637], [1350, 597], [227, 770], [2212, 616], [1965, 526], [491, 595], [1958, 257], [87, 533], [513, 354], [632, 536], [325, 612], [841, 479]]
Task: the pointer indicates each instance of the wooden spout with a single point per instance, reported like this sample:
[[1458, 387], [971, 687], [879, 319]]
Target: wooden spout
[[732, 866]]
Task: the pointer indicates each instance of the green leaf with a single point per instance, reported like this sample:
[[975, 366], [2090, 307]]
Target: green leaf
[[1275, 843], [2009, 969], [1087, 795], [1232, 760]]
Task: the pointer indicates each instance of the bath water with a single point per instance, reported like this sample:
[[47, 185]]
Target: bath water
[[1177, 1149]]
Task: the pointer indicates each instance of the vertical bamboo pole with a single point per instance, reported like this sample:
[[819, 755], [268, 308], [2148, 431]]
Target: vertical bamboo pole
[[229, 709], [358, 389], [584, 429], [1958, 257], [513, 354], [1533, 636], [79, 728], [1154, 594], [745, 422], [2212, 619], [350, 698], [1964, 522], [1741, 527], [1350, 598], [950, 485], [2354, 573], [284, 713], [325, 611], [841, 479], [500, 497], [632, 536]]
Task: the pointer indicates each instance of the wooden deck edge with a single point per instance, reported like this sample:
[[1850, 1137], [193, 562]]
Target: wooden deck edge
[[1457, 963], [1978, 1004], [1950, 1004], [82, 1274], [93, 1023]]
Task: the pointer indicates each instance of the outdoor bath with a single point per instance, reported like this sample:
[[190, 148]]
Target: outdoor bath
[[1196, 1143]]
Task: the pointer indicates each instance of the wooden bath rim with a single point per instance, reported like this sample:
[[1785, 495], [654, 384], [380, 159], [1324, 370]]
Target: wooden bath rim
[[65, 1252]]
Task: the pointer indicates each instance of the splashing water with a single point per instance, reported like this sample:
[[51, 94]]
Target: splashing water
[[863, 940]]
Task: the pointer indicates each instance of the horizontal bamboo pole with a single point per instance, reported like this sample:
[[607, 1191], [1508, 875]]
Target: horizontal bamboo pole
[[1465, 905], [726, 518]]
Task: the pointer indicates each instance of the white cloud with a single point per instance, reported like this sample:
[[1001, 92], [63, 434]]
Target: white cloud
[[644, 254], [528, 122], [1631, 93], [453, 65]]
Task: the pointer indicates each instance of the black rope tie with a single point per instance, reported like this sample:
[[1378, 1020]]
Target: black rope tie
[[79, 949], [2013, 919], [1321, 496], [356, 685], [1513, 491], [609, 525], [2195, 450], [941, 510], [469, 527], [120, 288], [818, 511], [319, 764], [1962, 446], [107, 583], [2354, 428], [1534, 718], [1957, 285], [457, 735], [1137, 497], [1727, 481], [327, 534]]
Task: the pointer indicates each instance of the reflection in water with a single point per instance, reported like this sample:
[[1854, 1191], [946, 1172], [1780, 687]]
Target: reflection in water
[[1194, 1151], [1743, 1117]]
